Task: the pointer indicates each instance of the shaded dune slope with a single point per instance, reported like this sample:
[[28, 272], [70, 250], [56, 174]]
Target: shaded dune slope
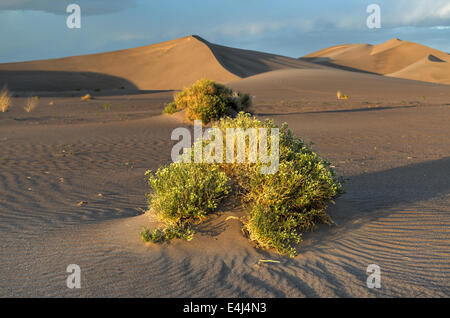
[[245, 63]]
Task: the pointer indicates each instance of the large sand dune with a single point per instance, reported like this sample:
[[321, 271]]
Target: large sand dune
[[394, 58], [164, 66]]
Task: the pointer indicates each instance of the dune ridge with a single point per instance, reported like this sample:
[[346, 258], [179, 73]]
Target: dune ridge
[[164, 66]]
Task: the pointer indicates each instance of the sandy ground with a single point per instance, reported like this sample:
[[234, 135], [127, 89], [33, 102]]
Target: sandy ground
[[390, 140], [395, 212]]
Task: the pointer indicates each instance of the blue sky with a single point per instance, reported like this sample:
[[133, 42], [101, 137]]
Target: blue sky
[[36, 29]]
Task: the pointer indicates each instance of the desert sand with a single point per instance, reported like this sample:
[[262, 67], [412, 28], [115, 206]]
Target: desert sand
[[390, 140]]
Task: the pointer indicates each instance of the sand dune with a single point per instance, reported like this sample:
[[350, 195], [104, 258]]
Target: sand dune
[[430, 69], [245, 63], [394, 58], [164, 66], [168, 65], [293, 84]]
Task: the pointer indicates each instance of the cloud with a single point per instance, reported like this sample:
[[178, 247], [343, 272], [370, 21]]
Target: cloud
[[88, 7], [419, 13]]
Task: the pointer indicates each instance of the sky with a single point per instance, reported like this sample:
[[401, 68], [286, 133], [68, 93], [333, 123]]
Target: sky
[[37, 29]]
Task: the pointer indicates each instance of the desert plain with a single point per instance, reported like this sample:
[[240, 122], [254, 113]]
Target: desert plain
[[72, 184]]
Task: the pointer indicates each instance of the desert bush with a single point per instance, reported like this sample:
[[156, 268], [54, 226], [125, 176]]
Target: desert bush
[[184, 193], [294, 199], [5, 99], [207, 100], [280, 206]]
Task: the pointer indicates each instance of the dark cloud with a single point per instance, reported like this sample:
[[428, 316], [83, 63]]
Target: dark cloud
[[88, 7]]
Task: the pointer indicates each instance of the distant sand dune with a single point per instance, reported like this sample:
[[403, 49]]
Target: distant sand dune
[[395, 58], [175, 64]]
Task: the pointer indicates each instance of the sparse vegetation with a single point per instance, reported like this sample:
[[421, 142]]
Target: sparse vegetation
[[341, 96], [107, 106], [86, 97], [279, 206], [182, 194], [171, 108], [31, 104], [5, 99], [208, 101], [183, 232], [294, 199]]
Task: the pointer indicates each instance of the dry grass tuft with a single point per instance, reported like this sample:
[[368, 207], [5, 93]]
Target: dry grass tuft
[[86, 97], [31, 104], [341, 96], [5, 99]]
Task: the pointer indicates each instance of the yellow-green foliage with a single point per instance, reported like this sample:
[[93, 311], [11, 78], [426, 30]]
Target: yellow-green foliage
[[282, 205], [182, 194], [207, 100], [279, 206], [5, 99], [171, 108]]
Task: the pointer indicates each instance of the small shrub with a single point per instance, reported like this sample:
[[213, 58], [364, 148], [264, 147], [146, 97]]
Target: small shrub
[[170, 108], [5, 99], [207, 100], [185, 193], [166, 234], [279, 206], [31, 104], [107, 106]]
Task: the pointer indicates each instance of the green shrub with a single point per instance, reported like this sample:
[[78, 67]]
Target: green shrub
[[279, 206], [185, 193], [294, 199], [170, 108], [168, 233], [207, 100], [282, 205]]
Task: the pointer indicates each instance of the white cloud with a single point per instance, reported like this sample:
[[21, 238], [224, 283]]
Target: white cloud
[[419, 13]]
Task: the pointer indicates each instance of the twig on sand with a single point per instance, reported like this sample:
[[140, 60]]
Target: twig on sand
[[267, 261]]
